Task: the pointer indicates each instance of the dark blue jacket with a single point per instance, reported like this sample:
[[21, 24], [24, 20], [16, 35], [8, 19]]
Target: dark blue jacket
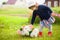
[[43, 12]]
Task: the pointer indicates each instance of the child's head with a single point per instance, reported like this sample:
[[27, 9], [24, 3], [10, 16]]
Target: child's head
[[33, 7]]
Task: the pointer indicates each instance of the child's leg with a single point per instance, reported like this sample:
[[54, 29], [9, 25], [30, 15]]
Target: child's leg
[[51, 20], [49, 26], [50, 30], [41, 28]]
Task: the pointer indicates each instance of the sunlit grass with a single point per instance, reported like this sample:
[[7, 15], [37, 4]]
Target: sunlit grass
[[11, 24], [11, 10]]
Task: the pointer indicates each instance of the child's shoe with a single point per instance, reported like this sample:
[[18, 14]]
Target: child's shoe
[[40, 34], [49, 33]]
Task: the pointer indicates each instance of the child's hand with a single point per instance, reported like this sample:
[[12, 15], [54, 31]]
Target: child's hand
[[59, 15], [31, 26], [55, 14]]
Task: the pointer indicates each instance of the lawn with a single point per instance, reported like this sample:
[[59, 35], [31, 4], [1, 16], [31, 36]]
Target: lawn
[[10, 24], [15, 10], [11, 10]]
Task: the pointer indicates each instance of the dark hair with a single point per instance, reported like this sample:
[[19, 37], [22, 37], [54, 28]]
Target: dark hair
[[31, 6]]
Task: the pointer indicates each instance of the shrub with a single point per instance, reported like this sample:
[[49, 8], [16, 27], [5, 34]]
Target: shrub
[[4, 3], [57, 20], [56, 9]]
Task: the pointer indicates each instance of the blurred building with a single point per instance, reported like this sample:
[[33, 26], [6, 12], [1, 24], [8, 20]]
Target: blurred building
[[49, 3], [52, 3], [11, 2]]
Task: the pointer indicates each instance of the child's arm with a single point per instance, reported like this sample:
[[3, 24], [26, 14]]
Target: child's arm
[[33, 17], [55, 14]]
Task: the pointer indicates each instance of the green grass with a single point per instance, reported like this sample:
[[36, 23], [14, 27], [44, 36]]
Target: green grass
[[56, 9], [10, 24], [11, 10]]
